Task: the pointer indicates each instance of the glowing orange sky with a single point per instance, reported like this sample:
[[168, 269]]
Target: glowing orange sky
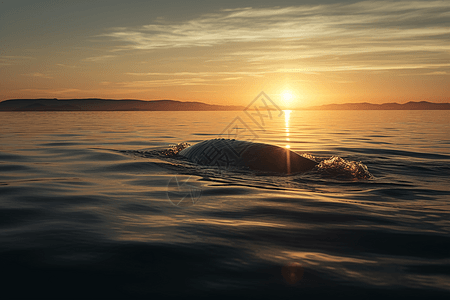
[[374, 51]]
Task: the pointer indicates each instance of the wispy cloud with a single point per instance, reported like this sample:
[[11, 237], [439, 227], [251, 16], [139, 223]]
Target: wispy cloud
[[437, 73], [37, 74], [166, 82], [187, 78], [68, 66], [50, 91], [8, 60], [369, 18], [65, 91], [99, 58], [300, 32], [199, 74]]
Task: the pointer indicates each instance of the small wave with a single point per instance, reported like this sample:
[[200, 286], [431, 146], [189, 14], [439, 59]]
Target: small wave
[[339, 168], [174, 149], [171, 151]]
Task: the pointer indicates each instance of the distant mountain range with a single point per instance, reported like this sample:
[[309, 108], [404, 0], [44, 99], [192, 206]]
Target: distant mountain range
[[422, 105], [172, 105], [108, 105]]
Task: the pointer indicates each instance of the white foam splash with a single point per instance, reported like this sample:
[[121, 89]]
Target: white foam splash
[[175, 149], [340, 168]]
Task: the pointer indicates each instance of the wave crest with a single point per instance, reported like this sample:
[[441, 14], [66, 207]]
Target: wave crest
[[340, 168], [174, 149]]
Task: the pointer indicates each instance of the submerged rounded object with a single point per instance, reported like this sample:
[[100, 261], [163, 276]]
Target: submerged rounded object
[[255, 156]]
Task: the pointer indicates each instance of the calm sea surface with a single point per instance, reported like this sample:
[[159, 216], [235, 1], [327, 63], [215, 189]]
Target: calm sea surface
[[90, 207]]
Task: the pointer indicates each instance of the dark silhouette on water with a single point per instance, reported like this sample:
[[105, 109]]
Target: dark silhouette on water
[[411, 105], [94, 104], [255, 156], [109, 105]]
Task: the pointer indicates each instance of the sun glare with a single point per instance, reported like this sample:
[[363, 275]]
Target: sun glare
[[287, 96]]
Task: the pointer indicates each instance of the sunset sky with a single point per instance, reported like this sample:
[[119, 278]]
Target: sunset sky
[[226, 52]]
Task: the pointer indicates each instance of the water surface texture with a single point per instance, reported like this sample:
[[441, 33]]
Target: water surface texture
[[95, 205]]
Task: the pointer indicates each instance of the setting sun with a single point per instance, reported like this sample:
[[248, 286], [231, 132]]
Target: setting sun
[[287, 96]]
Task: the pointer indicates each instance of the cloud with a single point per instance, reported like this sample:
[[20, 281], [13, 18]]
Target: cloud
[[188, 78], [232, 78], [166, 82], [99, 58], [68, 66], [184, 78], [434, 73], [50, 91], [65, 91], [368, 35], [79, 93], [8, 60], [357, 22], [437, 73], [37, 74], [367, 68], [199, 74]]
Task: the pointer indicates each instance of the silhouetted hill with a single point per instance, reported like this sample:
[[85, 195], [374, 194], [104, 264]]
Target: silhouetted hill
[[108, 105], [422, 105], [172, 105]]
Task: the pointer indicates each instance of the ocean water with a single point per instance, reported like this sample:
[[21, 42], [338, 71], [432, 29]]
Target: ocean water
[[95, 205]]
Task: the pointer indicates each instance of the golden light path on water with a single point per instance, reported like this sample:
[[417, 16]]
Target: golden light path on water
[[287, 118]]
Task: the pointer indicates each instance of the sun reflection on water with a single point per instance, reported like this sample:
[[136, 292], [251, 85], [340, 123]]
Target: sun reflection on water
[[287, 119]]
